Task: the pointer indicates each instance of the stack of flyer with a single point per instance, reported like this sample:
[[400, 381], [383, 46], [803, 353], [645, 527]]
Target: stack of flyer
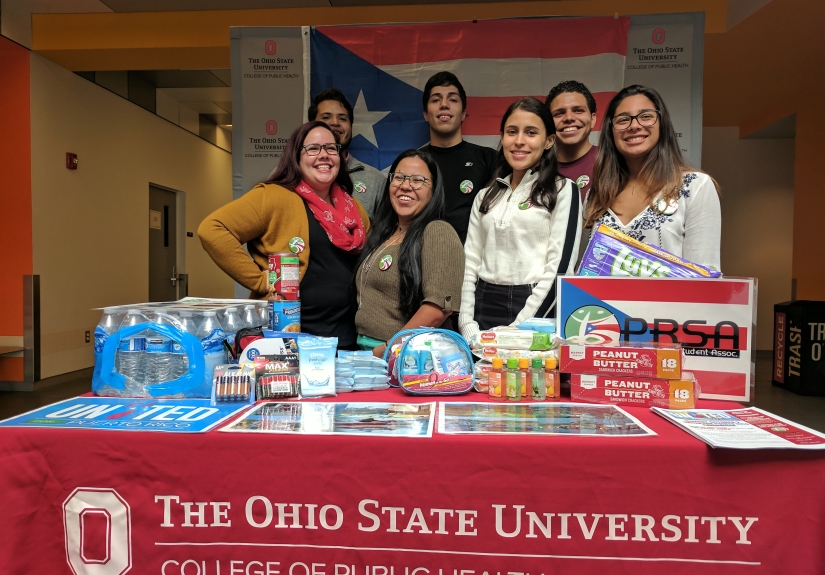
[[628, 373], [746, 428]]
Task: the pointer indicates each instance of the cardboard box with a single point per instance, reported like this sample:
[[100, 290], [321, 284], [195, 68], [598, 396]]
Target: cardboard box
[[798, 342], [660, 361], [634, 391], [713, 319]]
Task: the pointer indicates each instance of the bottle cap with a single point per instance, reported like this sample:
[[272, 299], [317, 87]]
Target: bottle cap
[[550, 363], [512, 363], [498, 363], [523, 362], [537, 363]]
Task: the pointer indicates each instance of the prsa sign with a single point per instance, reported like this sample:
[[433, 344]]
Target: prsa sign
[[713, 319]]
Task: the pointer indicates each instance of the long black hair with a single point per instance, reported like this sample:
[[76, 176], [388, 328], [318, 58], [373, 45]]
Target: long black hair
[[544, 190], [385, 224], [288, 173]]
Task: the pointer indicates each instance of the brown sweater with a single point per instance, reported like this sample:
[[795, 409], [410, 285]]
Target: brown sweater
[[265, 218], [442, 271]]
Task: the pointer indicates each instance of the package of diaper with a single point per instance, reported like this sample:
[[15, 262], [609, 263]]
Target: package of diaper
[[612, 253]]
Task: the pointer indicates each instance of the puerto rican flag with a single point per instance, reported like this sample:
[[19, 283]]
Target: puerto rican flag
[[382, 71]]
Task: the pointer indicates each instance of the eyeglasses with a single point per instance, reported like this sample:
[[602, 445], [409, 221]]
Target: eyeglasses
[[645, 119], [315, 149], [416, 181]]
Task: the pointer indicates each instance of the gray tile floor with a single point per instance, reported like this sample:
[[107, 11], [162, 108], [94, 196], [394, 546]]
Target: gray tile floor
[[806, 410]]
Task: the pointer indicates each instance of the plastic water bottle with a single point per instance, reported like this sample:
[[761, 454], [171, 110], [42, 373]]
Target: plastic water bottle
[[107, 326], [212, 339], [131, 354], [161, 360], [263, 312], [250, 316], [158, 359], [231, 324], [180, 361]]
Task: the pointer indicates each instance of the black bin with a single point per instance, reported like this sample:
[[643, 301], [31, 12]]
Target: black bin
[[799, 346]]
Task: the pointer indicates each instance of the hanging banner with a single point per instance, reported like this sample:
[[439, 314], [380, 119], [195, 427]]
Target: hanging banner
[[666, 52], [267, 99], [382, 70]]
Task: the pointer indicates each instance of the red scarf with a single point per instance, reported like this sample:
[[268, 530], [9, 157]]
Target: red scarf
[[341, 220]]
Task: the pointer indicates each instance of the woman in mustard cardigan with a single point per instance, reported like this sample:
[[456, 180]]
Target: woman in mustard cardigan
[[305, 207]]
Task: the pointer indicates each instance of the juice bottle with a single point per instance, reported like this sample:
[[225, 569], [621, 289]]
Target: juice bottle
[[495, 381], [537, 380], [524, 368], [551, 378], [512, 380]]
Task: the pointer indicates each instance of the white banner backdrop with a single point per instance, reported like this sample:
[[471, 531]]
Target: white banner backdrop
[[666, 52], [267, 99]]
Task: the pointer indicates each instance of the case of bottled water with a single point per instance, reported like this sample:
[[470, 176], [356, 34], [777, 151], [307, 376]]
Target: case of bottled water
[[163, 349]]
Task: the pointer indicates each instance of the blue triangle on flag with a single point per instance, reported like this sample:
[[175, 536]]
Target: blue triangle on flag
[[333, 66]]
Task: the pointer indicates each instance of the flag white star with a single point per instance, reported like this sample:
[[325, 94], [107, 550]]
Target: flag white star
[[365, 120]]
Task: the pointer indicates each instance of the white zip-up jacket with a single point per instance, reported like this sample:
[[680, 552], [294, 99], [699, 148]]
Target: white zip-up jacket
[[517, 243]]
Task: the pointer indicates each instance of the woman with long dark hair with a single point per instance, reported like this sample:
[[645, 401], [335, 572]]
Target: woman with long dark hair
[[524, 228], [643, 187], [305, 208], [409, 272]]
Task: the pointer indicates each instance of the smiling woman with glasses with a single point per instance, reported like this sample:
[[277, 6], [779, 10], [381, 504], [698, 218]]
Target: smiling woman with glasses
[[304, 208], [409, 274], [643, 187]]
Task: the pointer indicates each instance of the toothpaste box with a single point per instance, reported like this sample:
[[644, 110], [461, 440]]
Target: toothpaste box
[[659, 361], [635, 391]]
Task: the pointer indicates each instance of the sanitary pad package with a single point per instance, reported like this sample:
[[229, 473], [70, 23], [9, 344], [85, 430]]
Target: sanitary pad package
[[612, 253]]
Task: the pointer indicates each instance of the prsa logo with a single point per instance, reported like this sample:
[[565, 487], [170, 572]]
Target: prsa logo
[[592, 324], [269, 47]]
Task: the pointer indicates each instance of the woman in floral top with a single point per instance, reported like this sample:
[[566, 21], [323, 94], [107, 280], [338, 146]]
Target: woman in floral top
[[644, 188]]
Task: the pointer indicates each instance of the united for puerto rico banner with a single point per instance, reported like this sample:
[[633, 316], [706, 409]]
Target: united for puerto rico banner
[[382, 71]]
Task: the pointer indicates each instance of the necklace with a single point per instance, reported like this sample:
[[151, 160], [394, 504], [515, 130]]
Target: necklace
[[396, 237]]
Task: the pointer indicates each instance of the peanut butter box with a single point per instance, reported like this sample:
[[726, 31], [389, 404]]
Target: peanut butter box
[[657, 361], [635, 391]]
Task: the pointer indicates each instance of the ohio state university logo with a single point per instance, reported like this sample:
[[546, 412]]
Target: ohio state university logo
[[84, 508]]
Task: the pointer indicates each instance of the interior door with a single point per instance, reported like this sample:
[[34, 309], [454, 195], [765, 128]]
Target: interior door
[[163, 279]]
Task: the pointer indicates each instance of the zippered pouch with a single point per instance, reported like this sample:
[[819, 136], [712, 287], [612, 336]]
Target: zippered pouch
[[430, 361]]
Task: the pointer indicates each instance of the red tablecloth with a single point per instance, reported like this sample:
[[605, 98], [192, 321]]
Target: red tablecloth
[[221, 504]]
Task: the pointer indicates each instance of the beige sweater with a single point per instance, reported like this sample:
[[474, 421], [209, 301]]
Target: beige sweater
[[442, 267]]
